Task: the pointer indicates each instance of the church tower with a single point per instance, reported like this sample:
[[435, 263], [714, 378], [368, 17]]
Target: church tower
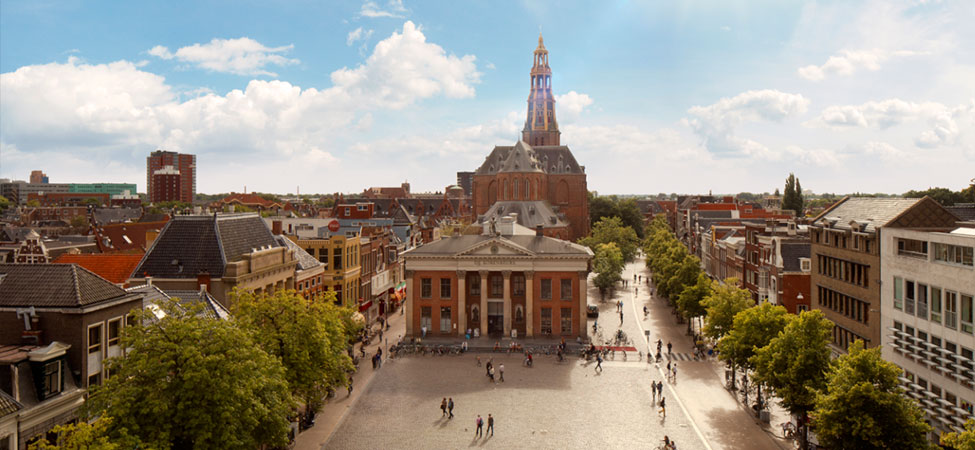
[[540, 126]]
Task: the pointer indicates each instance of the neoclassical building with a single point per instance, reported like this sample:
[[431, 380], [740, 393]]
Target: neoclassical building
[[507, 281], [537, 178]]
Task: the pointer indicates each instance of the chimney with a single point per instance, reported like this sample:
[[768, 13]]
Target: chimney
[[276, 227], [203, 289], [148, 281], [538, 230], [203, 280]]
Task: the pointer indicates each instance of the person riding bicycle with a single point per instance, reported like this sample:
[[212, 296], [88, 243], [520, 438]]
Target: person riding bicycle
[[528, 359], [668, 444], [645, 310]]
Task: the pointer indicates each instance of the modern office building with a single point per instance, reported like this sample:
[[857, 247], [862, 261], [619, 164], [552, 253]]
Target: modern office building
[[185, 164]]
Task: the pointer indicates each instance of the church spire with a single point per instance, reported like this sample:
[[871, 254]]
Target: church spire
[[541, 128]]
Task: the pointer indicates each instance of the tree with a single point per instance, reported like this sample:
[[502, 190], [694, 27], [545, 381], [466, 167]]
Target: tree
[[795, 363], [92, 201], [608, 265], [690, 302], [777, 194], [4, 203], [307, 335], [189, 381], [961, 441], [751, 330], [86, 436], [79, 223], [612, 206], [726, 300], [611, 229], [945, 196], [862, 406], [792, 198], [685, 275], [33, 203]]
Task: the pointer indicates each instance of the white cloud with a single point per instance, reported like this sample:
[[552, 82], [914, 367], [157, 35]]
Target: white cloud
[[118, 112], [946, 123], [571, 105], [241, 56], [358, 34], [394, 8], [847, 62], [716, 124], [884, 151], [820, 157]]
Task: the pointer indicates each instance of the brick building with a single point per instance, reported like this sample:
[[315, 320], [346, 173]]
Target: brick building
[[185, 167], [515, 282], [166, 185], [537, 178]]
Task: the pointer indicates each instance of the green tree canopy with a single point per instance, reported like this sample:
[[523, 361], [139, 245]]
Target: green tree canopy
[[611, 229], [961, 441], [862, 406], [691, 300], [795, 363], [792, 197], [4, 203], [608, 265], [726, 300], [307, 335], [612, 206], [190, 382], [86, 436], [945, 196], [752, 329]]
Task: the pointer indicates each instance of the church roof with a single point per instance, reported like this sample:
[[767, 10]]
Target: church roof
[[552, 159], [530, 214]]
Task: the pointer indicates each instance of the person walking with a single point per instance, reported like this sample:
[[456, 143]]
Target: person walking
[[668, 366], [488, 367], [491, 424], [491, 374], [350, 386], [599, 363], [443, 407], [621, 317], [501, 371], [674, 377], [478, 360], [669, 347], [659, 343], [450, 408], [479, 422], [653, 390], [663, 407]]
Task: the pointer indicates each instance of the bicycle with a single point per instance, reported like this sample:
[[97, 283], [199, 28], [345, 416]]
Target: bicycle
[[788, 430]]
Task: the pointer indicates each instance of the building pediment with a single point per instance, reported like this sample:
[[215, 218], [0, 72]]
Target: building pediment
[[496, 247]]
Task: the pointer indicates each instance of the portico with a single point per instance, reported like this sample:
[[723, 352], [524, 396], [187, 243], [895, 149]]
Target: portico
[[502, 285]]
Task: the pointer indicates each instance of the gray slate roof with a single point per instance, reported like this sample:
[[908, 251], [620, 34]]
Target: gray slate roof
[[305, 261], [872, 212], [547, 158], [530, 213], [791, 252], [105, 216], [153, 295], [53, 285], [539, 245], [8, 405], [964, 211], [188, 245]]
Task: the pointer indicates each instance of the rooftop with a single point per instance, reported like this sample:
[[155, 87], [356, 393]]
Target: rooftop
[[53, 285]]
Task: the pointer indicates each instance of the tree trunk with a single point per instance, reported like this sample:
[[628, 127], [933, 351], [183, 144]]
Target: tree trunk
[[803, 433]]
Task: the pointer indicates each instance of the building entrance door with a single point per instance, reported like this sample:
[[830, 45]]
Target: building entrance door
[[495, 317]]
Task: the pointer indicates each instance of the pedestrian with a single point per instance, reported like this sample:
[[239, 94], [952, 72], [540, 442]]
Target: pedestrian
[[480, 426], [450, 408], [634, 277], [350, 386], [663, 407], [373, 362], [423, 330], [659, 343], [380, 333], [621, 317], [653, 390], [669, 347], [675, 373], [491, 424], [599, 363], [478, 360], [501, 371], [668, 366], [487, 368], [491, 374], [618, 306], [443, 407]]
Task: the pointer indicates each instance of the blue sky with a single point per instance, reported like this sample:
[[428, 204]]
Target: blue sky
[[725, 96]]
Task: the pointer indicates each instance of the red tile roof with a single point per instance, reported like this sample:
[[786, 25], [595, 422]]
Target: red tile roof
[[114, 267], [250, 200], [126, 237]]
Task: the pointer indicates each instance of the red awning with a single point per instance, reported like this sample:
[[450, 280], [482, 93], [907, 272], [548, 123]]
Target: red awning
[[365, 306]]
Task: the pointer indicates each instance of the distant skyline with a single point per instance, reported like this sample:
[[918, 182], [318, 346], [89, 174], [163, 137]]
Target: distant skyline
[[874, 96]]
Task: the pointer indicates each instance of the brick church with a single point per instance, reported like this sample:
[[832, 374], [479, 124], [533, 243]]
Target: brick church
[[537, 179]]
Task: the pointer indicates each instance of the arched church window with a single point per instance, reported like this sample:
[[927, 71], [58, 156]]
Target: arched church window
[[514, 185], [528, 189], [504, 191]]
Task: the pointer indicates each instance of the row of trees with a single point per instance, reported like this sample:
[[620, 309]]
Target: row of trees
[[855, 400], [613, 244], [190, 381], [612, 206]]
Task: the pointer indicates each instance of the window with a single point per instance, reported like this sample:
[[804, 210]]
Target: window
[[546, 288], [114, 327], [95, 338], [518, 284], [519, 314], [497, 286], [360, 207], [445, 319], [426, 318], [951, 309], [909, 298], [912, 247], [565, 289], [426, 288], [953, 254], [566, 322], [966, 313], [336, 259], [445, 288], [935, 304], [899, 293], [53, 381], [922, 301], [546, 320], [475, 283], [322, 255], [94, 380]]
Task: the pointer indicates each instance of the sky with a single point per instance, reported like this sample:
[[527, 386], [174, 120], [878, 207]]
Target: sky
[[321, 97]]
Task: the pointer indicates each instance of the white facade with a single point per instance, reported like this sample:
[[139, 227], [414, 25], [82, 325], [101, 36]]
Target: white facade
[[927, 290]]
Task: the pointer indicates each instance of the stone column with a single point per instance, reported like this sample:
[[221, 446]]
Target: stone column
[[462, 302], [408, 304], [529, 304], [484, 303], [507, 302], [583, 302]]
